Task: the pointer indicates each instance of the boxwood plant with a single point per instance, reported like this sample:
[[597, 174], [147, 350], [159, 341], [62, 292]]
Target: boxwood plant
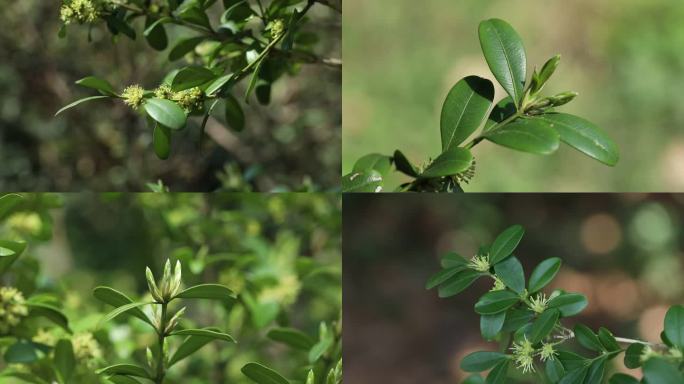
[[530, 325], [525, 120], [258, 40]]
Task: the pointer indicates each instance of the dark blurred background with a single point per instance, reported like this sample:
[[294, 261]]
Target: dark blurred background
[[623, 57], [294, 142], [623, 251]]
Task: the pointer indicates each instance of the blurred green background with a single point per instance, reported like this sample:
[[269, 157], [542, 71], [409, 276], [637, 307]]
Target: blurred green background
[[283, 250], [625, 252], [104, 146], [622, 56]]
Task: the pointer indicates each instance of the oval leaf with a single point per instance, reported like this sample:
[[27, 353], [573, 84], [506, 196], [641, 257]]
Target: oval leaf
[[161, 140], [190, 77], [449, 163], [491, 325], [373, 161], [263, 375], [569, 304], [98, 84], [494, 302], [526, 135], [543, 325], [458, 283], [464, 109], [587, 338], [543, 274], [481, 361], [510, 271], [64, 360], [366, 181], [291, 337], [204, 332], [674, 325], [584, 136], [116, 299], [505, 54], [505, 243], [166, 113]]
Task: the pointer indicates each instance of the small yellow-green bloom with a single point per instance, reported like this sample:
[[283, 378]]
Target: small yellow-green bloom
[[498, 285], [479, 263], [277, 28], [523, 355], [163, 92], [547, 352], [80, 11], [12, 308], [190, 100], [133, 96], [538, 303], [86, 349]]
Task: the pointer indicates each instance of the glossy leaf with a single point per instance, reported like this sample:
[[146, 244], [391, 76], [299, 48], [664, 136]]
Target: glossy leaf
[[125, 369], [374, 161], [587, 338], [161, 140], [499, 373], [543, 325], [449, 163], [192, 76], [291, 337], [458, 283], [452, 259], [503, 110], [166, 113], [531, 135], [505, 54], [543, 274], [674, 325], [442, 276], [263, 375], [495, 302], [217, 85], [569, 304], [464, 110], [481, 361], [366, 181], [659, 371], [505, 243], [117, 299], [155, 33], [404, 165], [608, 340], [81, 101], [633, 355], [583, 136], [101, 85], [510, 271], [207, 291], [491, 325]]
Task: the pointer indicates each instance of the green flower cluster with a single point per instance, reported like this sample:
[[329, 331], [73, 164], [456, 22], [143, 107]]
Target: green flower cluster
[[277, 28], [80, 11], [133, 96], [524, 354], [190, 99], [12, 308]]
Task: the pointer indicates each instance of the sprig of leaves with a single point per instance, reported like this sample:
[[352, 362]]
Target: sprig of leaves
[[529, 325], [525, 120]]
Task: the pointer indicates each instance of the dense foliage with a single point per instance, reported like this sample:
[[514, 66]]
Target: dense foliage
[[245, 298], [528, 324], [524, 120]]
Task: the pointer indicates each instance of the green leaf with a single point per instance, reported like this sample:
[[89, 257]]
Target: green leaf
[[495, 302], [122, 379], [608, 340], [291, 337], [366, 181], [464, 109], [510, 271], [575, 376], [569, 304], [161, 140], [195, 15], [674, 325], [659, 371], [190, 77], [481, 361], [633, 355], [98, 84], [117, 299], [24, 351], [442, 276], [404, 165], [235, 116], [8, 202], [449, 163], [155, 34], [452, 259], [81, 101], [24, 376], [554, 370], [572, 361], [543, 274], [253, 80], [374, 161], [474, 379], [505, 243], [64, 360], [491, 325], [12, 251], [596, 370], [503, 49], [189, 346], [501, 111], [499, 373], [207, 291], [118, 311], [204, 332], [183, 47], [531, 135], [516, 319], [166, 113], [262, 375], [125, 369], [217, 85], [49, 312], [587, 338], [622, 378], [583, 136], [544, 324], [458, 283]]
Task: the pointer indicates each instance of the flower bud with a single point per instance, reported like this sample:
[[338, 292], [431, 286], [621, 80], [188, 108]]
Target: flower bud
[[562, 98], [133, 96], [12, 308], [152, 285], [174, 320]]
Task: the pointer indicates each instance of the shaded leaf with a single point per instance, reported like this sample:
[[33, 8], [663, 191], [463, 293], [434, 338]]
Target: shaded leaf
[[464, 110]]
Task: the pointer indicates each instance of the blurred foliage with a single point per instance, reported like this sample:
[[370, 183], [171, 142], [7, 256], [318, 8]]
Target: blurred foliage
[[288, 145], [621, 56], [624, 252], [279, 253]]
